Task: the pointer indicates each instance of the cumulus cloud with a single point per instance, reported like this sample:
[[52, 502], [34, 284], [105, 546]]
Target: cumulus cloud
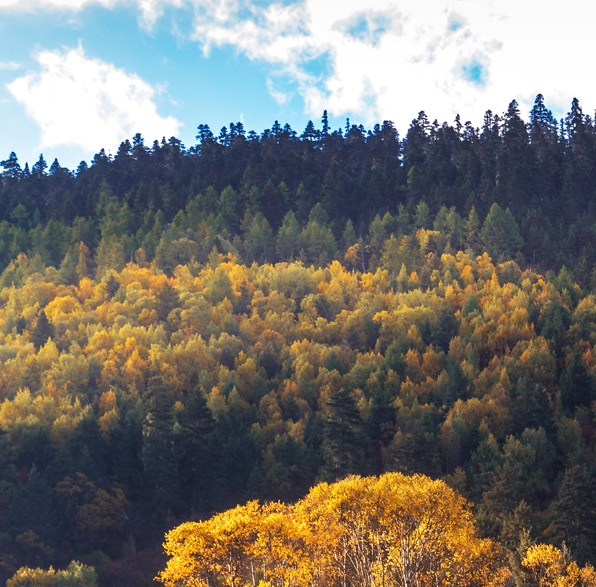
[[395, 57], [386, 61], [391, 58], [85, 102]]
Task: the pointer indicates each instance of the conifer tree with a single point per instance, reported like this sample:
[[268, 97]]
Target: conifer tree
[[343, 441], [573, 514], [500, 233], [43, 330]]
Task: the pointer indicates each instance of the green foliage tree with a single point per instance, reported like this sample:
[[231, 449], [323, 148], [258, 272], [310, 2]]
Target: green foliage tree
[[287, 240], [258, 239], [500, 233], [318, 245]]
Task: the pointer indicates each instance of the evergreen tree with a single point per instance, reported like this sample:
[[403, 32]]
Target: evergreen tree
[[11, 167], [166, 300], [514, 170], [159, 472], [195, 451], [286, 245], [39, 168], [316, 240], [343, 440], [43, 330], [258, 240], [577, 388], [573, 514], [33, 509], [500, 233]]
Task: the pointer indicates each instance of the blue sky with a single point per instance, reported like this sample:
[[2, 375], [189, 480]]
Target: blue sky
[[80, 75]]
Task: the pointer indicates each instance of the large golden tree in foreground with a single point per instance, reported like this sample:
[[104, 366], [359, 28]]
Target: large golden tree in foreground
[[388, 531]]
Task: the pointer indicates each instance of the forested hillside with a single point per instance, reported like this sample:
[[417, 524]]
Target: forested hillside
[[183, 330]]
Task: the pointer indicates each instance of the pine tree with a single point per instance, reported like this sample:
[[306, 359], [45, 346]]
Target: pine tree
[[159, 471], [343, 441], [577, 388], [43, 330], [194, 451], [11, 166], [33, 509], [573, 514]]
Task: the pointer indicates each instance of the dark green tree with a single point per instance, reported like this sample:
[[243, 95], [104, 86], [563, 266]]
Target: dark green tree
[[577, 387], [344, 445], [39, 168], [33, 510], [166, 300], [573, 514], [195, 452], [159, 471], [43, 330], [11, 167]]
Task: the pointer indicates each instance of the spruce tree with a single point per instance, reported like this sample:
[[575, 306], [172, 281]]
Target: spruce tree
[[43, 330], [343, 440], [573, 514]]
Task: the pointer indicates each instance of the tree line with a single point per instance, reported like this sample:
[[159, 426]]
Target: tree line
[[242, 184]]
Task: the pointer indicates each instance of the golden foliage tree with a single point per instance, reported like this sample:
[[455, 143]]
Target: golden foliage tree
[[374, 532], [551, 567]]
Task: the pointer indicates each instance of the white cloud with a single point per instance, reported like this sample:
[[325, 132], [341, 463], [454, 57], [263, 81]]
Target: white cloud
[[388, 59], [85, 102], [9, 65], [150, 10], [396, 57], [384, 62], [280, 97], [71, 5]]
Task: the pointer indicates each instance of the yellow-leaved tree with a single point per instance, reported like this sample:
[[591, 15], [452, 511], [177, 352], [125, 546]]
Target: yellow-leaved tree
[[551, 567], [398, 530], [75, 574], [390, 531], [217, 550]]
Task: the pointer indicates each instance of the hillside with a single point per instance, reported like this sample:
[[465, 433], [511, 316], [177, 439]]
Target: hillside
[[185, 330]]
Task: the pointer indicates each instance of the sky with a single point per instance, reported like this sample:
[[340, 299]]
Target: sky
[[77, 76]]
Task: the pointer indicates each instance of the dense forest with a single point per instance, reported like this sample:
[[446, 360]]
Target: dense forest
[[186, 330], [238, 190]]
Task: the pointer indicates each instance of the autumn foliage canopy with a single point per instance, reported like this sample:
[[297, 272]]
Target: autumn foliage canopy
[[393, 530]]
